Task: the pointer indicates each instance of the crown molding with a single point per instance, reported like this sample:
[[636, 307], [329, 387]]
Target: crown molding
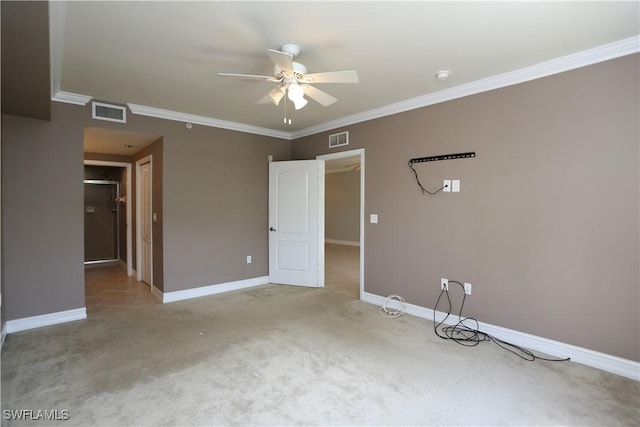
[[602, 53], [205, 121], [598, 54], [71, 98]]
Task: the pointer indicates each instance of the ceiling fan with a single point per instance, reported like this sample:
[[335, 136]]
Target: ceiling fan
[[293, 80]]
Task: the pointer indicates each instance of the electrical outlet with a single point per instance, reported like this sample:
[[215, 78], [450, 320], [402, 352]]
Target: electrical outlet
[[455, 185], [446, 184], [444, 284], [249, 259], [467, 288]]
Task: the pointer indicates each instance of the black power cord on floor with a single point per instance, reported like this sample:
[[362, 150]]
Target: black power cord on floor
[[470, 336]]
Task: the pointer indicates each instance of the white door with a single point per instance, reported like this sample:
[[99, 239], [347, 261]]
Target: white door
[[296, 222], [145, 219]]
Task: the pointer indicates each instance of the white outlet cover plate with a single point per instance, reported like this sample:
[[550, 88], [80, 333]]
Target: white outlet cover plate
[[373, 218], [447, 185], [455, 185], [467, 288]]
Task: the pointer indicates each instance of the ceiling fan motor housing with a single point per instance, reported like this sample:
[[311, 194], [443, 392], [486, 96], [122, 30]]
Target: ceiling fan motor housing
[[291, 49], [298, 71]]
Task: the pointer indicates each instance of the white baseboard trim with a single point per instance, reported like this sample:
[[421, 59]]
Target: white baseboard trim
[[342, 242], [33, 322], [606, 362], [214, 289]]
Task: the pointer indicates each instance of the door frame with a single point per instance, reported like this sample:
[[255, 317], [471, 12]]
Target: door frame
[[127, 206], [139, 163], [340, 155]]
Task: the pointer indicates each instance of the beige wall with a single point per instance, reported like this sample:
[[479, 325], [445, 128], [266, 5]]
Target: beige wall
[[214, 197], [342, 206], [546, 225], [42, 218]]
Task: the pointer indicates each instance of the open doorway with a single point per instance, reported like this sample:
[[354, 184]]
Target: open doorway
[[106, 213], [111, 282], [344, 222]]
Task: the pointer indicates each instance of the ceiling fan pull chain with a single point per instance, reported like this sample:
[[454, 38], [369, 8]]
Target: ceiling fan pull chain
[[285, 110], [287, 116]]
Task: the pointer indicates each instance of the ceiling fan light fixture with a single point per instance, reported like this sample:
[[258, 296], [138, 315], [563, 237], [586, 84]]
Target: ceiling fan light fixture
[[299, 103], [276, 95], [295, 92]]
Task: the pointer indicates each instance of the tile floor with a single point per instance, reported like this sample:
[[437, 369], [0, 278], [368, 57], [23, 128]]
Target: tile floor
[[108, 288], [342, 269]]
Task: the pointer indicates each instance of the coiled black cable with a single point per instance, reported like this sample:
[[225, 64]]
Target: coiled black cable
[[471, 336]]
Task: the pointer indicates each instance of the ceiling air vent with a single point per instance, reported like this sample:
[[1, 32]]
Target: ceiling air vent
[[112, 113], [339, 139]]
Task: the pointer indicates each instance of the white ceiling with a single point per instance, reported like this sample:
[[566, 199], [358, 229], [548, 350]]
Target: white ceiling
[[166, 55]]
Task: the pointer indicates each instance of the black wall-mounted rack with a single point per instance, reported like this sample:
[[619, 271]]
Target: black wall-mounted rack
[[443, 157]]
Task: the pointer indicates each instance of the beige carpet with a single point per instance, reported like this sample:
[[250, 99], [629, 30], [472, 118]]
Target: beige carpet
[[281, 355]]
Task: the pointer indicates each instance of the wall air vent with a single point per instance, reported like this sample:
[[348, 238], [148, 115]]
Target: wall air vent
[[112, 113], [339, 139]]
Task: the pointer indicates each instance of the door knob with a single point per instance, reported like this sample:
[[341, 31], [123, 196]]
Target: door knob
[[272, 229]]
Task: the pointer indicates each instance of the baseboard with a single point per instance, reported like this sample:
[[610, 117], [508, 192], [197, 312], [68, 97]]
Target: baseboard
[[33, 322], [606, 362], [214, 289], [156, 292], [342, 242], [125, 266]]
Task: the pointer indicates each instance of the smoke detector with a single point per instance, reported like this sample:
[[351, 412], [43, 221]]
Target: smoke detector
[[443, 75]]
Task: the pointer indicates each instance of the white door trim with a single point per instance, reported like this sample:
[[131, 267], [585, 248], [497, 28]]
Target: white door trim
[[139, 163], [341, 155], [127, 207]]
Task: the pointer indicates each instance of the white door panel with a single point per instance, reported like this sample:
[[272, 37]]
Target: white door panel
[[296, 221]]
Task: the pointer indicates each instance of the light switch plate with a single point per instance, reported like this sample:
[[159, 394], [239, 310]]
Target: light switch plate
[[455, 185], [373, 218]]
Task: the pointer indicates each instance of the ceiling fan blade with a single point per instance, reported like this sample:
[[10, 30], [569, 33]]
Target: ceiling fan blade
[[319, 96], [349, 76], [249, 76], [283, 60]]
